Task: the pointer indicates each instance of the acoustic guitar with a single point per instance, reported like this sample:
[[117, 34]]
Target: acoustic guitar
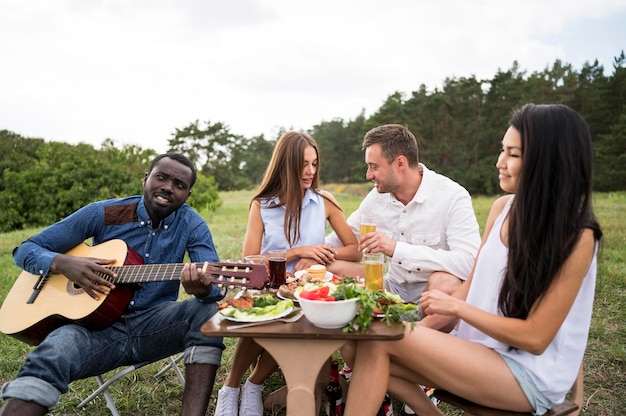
[[36, 305]]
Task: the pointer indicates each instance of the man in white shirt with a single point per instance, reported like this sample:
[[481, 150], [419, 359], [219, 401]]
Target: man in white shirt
[[425, 222]]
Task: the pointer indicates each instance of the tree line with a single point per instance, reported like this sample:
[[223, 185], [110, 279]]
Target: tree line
[[459, 128]]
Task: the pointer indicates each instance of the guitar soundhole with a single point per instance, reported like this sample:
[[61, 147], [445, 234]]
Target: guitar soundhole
[[74, 289]]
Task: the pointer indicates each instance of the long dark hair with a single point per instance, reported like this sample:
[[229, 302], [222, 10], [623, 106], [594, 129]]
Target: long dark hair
[[552, 203], [282, 179]]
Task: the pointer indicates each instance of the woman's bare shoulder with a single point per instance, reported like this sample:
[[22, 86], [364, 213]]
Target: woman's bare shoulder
[[328, 196]]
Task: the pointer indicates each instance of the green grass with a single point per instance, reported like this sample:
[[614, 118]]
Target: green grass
[[141, 394]]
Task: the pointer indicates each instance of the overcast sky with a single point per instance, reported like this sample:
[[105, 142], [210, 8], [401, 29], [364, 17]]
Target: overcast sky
[[135, 70]]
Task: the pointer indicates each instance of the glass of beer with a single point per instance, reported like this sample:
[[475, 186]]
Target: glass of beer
[[368, 224], [278, 268], [374, 264]]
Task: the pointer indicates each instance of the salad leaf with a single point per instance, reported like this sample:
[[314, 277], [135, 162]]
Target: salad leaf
[[265, 300]]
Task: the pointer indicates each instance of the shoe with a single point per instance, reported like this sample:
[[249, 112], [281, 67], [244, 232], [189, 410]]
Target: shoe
[[251, 400], [227, 398], [406, 411]]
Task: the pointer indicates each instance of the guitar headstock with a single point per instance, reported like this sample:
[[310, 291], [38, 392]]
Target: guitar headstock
[[253, 276]]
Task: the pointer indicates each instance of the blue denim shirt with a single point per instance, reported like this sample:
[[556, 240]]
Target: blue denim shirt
[[127, 219]]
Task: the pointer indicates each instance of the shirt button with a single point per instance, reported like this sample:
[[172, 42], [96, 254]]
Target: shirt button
[[41, 272], [132, 302], [166, 226], [142, 223], [147, 254], [153, 233]]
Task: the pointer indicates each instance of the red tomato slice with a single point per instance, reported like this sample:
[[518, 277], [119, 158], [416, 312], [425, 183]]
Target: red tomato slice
[[320, 293]]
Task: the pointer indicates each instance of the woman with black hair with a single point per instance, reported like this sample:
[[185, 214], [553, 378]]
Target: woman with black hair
[[524, 313]]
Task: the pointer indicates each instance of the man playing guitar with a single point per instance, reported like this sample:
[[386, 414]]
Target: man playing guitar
[[161, 228]]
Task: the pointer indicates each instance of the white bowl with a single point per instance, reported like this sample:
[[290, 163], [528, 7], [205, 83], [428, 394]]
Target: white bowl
[[328, 314]]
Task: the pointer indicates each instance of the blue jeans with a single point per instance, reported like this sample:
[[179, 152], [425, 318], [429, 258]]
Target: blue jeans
[[72, 352]]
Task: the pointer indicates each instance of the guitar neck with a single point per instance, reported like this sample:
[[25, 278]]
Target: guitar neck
[[145, 273], [231, 274]]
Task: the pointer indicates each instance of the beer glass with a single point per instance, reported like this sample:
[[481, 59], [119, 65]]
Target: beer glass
[[374, 264], [368, 224]]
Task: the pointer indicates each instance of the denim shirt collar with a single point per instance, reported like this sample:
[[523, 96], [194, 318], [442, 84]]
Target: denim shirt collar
[[146, 221]]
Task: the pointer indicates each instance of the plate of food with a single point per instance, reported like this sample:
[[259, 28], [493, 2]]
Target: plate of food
[[315, 273], [248, 308], [245, 317]]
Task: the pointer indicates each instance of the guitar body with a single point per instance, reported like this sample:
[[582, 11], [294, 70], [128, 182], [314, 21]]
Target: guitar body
[[30, 316], [61, 301]]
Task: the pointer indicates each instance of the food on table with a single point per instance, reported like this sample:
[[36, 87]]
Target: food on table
[[288, 290], [317, 272], [260, 306], [245, 301]]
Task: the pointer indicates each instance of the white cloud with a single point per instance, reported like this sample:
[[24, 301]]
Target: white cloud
[[135, 70]]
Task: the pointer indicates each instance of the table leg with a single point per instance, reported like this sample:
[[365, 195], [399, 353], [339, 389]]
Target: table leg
[[300, 361]]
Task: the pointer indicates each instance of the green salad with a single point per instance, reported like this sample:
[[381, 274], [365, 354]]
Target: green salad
[[264, 306], [382, 305]]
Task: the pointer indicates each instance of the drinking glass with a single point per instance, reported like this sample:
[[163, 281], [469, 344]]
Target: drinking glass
[[254, 259], [374, 264], [368, 224], [278, 268]]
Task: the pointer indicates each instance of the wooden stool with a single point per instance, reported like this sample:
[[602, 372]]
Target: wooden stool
[[568, 407]]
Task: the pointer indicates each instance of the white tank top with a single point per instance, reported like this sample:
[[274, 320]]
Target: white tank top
[[554, 371]]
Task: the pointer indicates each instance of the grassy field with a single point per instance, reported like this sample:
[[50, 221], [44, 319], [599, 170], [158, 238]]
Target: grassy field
[[141, 394]]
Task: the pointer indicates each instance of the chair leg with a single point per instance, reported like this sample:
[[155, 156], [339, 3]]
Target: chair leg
[[172, 363], [108, 398], [577, 391], [104, 387]]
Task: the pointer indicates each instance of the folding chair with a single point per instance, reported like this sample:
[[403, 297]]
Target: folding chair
[[104, 385]]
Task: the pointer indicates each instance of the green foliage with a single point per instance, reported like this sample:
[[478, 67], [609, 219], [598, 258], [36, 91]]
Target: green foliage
[[221, 154], [204, 197], [611, 156], [44, 182]]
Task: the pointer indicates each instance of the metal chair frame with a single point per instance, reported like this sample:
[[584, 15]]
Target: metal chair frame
[[104, 385]]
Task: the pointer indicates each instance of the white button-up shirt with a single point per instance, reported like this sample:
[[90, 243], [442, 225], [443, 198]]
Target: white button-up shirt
[[436, 231]]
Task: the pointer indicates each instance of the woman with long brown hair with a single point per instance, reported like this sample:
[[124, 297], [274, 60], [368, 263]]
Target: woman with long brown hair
[[288, 212]]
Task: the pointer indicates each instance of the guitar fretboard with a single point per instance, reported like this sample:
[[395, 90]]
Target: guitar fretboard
[[147, 273]]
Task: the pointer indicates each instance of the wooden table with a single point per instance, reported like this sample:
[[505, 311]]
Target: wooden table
[[301, 350]]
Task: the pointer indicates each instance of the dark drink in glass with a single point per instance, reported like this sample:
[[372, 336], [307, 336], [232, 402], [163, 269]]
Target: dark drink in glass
[[278, 268]]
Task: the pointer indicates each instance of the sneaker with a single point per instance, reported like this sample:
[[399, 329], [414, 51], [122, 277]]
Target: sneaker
[[406, 411], [227, 398], [251, 400]]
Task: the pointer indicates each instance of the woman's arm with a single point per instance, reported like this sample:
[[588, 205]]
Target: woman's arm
[[537, 331], [446, 322], [534, 333], [335, 216], [254, 232]]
